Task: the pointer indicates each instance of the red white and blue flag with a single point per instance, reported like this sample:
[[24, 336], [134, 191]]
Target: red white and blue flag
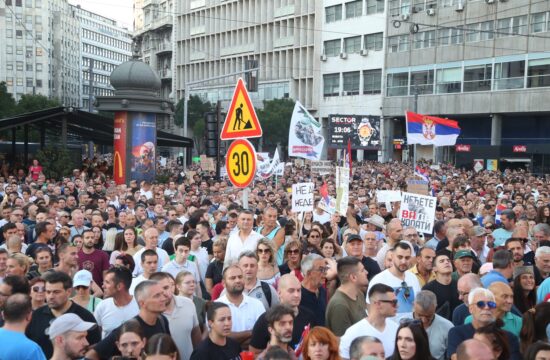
[[431, 130], [422, 173]]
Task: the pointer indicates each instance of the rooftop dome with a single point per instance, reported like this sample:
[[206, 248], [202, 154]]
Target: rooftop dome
[[135, 75]]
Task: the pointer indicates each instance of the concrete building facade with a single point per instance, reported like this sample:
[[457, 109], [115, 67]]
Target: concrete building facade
[[103, 46], [217, 37], [485, 63]]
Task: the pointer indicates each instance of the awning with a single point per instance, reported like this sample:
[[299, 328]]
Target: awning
[[84, 126], [516, 160]]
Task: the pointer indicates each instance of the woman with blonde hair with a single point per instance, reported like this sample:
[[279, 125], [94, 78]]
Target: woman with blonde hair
[[268, 270]]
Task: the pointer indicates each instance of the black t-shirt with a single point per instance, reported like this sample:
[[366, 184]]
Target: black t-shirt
[[447, 297], [214, 271], [168, 246], [31, 249], [106, 348], [316, 304], [43, 317], [260, 334], [208, 246], [207, 350]]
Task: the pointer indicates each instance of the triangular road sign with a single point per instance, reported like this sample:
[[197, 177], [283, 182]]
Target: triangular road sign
[[241, 120]]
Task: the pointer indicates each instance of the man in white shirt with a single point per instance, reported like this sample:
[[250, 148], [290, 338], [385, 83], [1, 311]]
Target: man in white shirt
[[151, 238], [118, 305], [382, 307], [243, 239], [404, 283], [149, 261], [245, 310]]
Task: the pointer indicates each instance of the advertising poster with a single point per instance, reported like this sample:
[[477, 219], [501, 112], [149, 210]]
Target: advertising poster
[[143, 146], [119, 144], [492, 164], [362, 130], [417, 211]]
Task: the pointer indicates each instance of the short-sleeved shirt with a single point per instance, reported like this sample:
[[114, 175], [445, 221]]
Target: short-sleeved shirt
[[207, 350], [16, 346], [315, 303], [447, 297], [244, 315], [214, 271], [342, 312], [458, 334], [182, 320], [491, 277], [260, 334], [364, 328], [106, 348], [512, 323], [42, 318], [173, 268], [97, 262], [109, 316]]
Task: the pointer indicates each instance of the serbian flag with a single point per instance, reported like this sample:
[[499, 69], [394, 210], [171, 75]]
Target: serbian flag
[[323, 190], [298, 349], [423, 173], [431, 130], [498, 211]]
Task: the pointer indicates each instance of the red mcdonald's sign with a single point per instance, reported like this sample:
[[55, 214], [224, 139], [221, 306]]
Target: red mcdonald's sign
[[119, 144]]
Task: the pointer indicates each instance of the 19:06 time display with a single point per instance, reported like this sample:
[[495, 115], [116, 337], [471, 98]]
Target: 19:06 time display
[[340, 130]]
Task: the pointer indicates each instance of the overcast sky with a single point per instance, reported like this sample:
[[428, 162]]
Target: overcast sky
[[119, 10]]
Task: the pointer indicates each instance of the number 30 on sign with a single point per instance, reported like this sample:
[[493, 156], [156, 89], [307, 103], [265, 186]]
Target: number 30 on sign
[[240, 163]]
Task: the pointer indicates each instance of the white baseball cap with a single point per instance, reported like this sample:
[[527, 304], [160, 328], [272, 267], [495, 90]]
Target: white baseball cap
[[82, 278], [68, 322]]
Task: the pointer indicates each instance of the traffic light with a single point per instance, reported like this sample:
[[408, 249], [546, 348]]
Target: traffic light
[[212, 135]]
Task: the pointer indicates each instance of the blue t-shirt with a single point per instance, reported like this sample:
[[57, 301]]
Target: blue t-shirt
[[460, 333], [13, 344]]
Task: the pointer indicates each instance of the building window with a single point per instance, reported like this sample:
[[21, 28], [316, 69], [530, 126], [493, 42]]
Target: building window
[[398, 43], [516, 25], [423, 81], [538, 73], [28, 19], [374, 41], [398, 84], [538, 22], [38, 51], [509, 75], [19, 34], [449, 80], [354, 9], [333, 13], [487, 30], [331, 84], [352, 44], [19, 3], [9, 66], [19, 50], [9, 49], [29, 82], [38, 19], [28, 67], [457, 35], [424, 39], [372, 81], [472, 32], [332, 47], [28, 3], [351, 83], [38, 81], [9, 33], [19, 81], [444, 36], [38, 67], [478, 77], [375, 6]]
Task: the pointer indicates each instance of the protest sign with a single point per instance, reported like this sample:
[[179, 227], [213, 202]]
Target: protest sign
[[418, 186], [342, 189], [328, 205], [321, 167], [417, 211], [302, 197]]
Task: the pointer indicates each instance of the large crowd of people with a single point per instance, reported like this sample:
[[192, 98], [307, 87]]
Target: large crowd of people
[[195, 268]]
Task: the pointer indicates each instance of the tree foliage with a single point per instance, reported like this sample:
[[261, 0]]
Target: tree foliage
[[275, 121], [196, 107], [29, 103], [7, 102], [56, 161]]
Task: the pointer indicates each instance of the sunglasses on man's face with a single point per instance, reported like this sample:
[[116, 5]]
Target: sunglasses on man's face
[[486, 304]]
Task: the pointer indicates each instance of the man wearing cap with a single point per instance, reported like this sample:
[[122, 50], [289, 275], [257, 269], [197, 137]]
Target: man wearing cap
[[58, 291], [463, 262], [17, 315], [68, 336], [375, 223], [354, 247], [477, 241]]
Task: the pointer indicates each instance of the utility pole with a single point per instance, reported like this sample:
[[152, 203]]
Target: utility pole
[[218, 148]]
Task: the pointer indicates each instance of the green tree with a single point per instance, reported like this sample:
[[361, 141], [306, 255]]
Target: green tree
[[196, 107], [29, 103], [56, 161], [7, 102], [275, 121]]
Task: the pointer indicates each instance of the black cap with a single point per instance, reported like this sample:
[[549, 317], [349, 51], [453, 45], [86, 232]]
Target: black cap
[[354, 237]]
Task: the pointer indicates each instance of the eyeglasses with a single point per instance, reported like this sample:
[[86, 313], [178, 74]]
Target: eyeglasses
[[484, 304], [322, 269], [392, 302], [314, 236], [293, 251], [38, 289], [263, 251]]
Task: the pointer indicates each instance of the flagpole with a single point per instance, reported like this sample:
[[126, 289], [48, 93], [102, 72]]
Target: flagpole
[[415, 107]]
